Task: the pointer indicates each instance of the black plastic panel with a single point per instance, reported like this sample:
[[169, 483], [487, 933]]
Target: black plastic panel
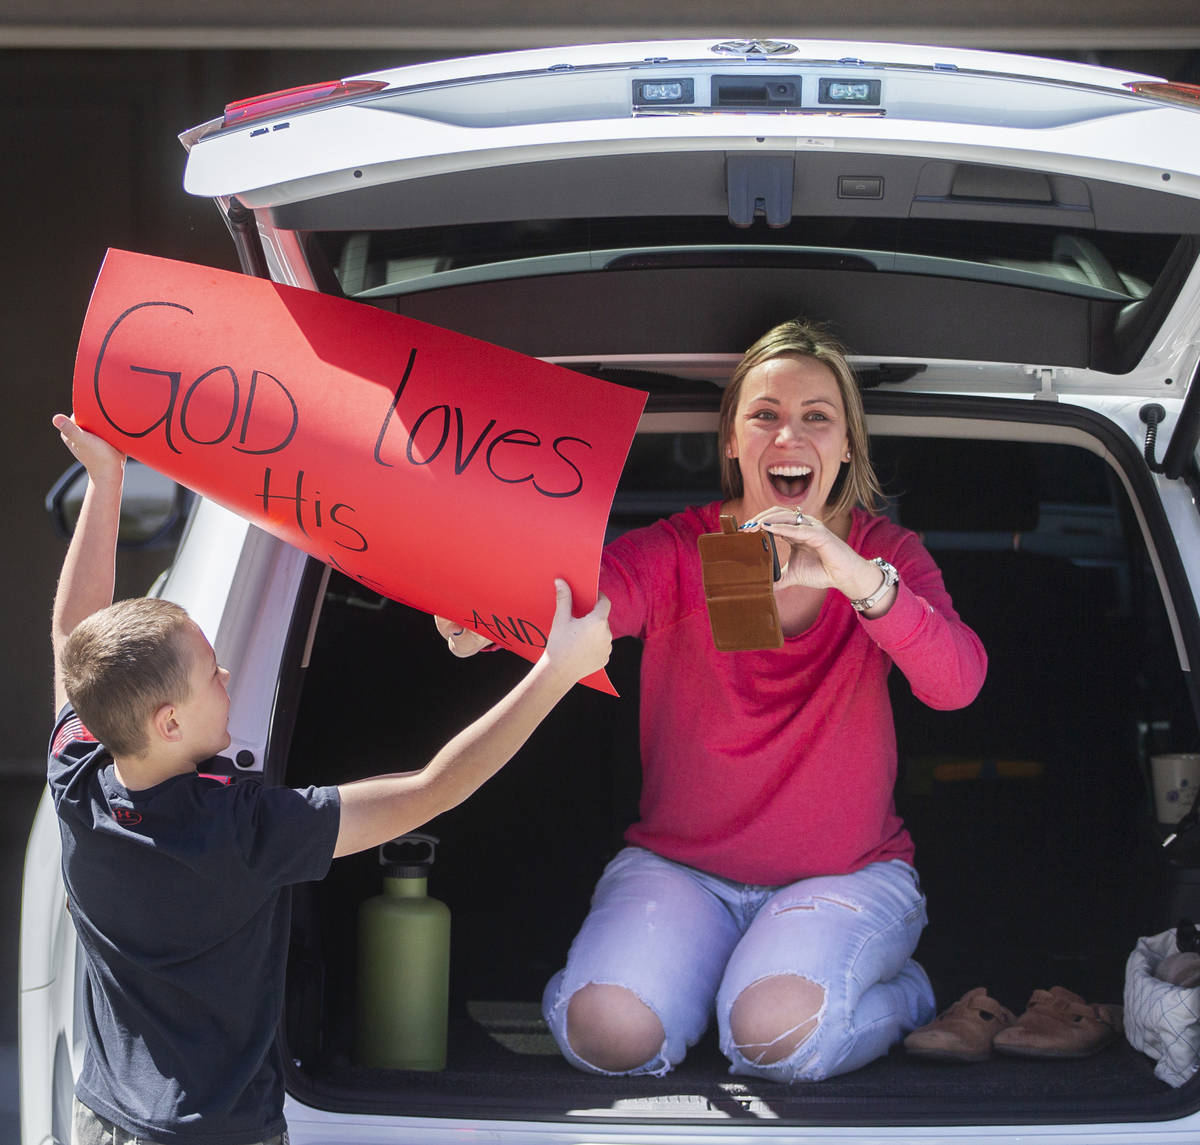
[[723, 310]]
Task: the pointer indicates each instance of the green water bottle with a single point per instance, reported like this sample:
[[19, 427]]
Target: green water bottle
[[403, 963]]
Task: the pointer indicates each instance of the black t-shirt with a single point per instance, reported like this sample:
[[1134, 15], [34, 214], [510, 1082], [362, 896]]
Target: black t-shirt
[[177, 897]]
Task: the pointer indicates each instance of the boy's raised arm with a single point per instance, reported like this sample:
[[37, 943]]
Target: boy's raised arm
[[88, 575], [386, 806]]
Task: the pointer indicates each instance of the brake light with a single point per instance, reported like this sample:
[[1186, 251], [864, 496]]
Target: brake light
[[243, 111], [1182, 94]]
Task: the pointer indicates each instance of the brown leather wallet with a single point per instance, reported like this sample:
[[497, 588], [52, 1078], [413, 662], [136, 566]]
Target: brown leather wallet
[[739, 570]]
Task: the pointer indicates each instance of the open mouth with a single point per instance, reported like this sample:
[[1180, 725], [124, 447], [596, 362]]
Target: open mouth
[[790, 480]]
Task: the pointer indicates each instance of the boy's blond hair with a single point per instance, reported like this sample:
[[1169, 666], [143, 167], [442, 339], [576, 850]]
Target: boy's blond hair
[[856, 484], [121, 664]]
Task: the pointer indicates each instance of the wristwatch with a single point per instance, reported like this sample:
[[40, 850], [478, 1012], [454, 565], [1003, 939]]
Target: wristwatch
[[890, 577]]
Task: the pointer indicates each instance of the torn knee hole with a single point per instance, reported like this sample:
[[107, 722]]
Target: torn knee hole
[[774, 1016], [817, 901], [611, 1029]]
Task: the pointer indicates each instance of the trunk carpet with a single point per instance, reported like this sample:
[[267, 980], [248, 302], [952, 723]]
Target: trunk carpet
[[502, 1062]]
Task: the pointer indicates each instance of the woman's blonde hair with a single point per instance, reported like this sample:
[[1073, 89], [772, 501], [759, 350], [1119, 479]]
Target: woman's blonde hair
[[856, 484], [121, 664]]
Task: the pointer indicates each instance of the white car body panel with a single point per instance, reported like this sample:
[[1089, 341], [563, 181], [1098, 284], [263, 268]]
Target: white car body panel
[[46, 987], [1070, 115], [636, 52], [354, 1130], [342, 150], [239, 584]]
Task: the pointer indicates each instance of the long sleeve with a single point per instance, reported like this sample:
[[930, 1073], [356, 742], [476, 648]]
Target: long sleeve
[[941, 657]]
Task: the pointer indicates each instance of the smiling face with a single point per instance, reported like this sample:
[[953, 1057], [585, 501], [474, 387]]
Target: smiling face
[[789, 435]]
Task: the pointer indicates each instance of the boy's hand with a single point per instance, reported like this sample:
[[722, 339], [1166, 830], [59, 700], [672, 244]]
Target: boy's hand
[[578, 646], [98, 457]]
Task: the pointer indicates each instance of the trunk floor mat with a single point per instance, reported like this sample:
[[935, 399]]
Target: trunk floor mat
[[502, 1062]]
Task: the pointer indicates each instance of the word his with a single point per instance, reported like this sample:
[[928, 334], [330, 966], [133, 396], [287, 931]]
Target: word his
[[309, 512]]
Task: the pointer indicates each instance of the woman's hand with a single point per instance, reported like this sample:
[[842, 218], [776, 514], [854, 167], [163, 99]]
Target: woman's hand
[[817, 557], [460, 639]]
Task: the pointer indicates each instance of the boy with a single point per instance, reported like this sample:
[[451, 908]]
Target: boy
[[174, 881]]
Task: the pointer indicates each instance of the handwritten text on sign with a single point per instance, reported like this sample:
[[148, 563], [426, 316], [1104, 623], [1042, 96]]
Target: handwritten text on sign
[[441, 471]]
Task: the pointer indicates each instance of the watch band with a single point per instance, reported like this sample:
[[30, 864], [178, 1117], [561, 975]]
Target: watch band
[[890, 577]]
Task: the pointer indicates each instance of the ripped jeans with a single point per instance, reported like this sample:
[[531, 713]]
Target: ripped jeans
[[685, 942]]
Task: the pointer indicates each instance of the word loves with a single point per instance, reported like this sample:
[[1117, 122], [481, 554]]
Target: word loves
[[507, 456]]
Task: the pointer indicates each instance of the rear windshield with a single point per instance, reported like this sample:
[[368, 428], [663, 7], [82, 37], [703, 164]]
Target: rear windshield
[[1106, 265]]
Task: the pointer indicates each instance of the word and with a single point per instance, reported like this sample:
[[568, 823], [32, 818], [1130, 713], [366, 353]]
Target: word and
[[510, 631]]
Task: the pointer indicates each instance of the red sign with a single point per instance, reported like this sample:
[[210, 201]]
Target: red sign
[[444, 472]]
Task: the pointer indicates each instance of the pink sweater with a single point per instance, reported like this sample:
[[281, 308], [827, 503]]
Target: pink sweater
[[767, 767]]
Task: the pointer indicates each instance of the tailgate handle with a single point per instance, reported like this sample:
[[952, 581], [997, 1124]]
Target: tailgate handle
[[755, 91]]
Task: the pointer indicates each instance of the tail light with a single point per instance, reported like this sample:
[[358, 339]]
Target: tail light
[[292, 99], [1180, 94], [243, 111]]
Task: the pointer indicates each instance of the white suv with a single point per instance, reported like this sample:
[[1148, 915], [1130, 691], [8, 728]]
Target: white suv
[[1011, 248]]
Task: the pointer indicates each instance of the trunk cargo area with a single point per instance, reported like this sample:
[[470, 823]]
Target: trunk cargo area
[[1031, 813]]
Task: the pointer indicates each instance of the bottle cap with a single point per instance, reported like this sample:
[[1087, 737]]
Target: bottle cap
[[408, 856]]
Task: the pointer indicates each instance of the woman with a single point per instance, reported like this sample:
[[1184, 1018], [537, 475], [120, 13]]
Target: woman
[[768, 875]]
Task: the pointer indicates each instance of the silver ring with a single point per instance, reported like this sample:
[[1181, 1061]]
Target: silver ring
[[799, 518]]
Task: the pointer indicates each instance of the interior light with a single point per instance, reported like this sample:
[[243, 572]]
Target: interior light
[[295, 99]]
